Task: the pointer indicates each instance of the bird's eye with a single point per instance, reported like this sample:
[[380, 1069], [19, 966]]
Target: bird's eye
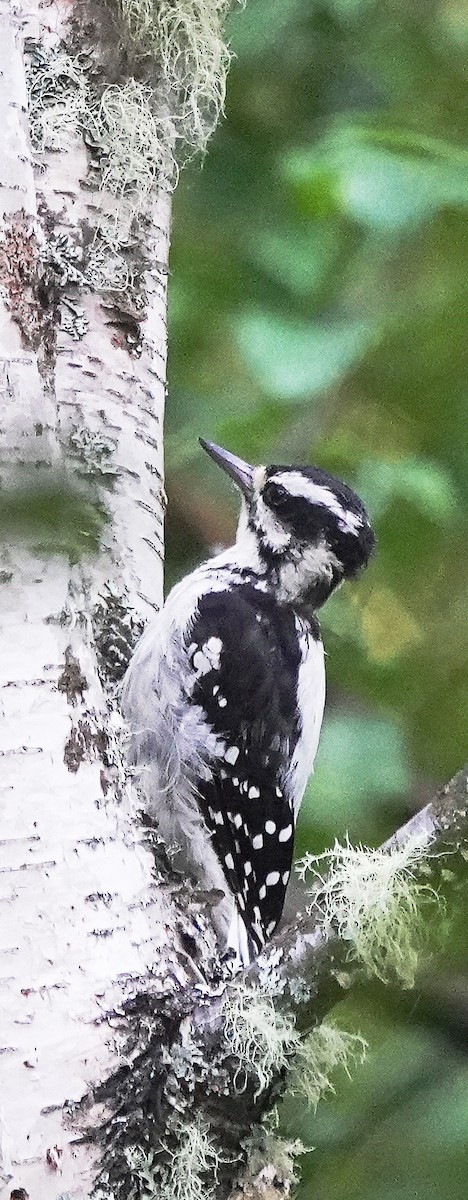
[[274, 494]]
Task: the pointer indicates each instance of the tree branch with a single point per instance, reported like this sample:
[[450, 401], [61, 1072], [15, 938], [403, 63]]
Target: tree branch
[[185, 1082], [307, 957]]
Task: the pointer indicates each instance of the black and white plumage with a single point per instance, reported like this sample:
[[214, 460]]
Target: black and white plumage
[[225, 691]]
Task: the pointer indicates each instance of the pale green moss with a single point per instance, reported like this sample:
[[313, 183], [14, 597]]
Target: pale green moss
[[271, 1157], [195, 1160], [186, 38], [265, 1042], [132, 140], [268, 1042], [374, 899], [186, 1162], [320, 1054], [191, 1165], [261, 1039], [137, 130], [135, 159]]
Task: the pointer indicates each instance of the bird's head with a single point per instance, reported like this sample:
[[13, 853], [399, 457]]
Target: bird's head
[[310, 530]]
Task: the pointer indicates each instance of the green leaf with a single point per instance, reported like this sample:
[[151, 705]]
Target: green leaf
[[383, 178], [292, 360], [300, 258], [428, 485], [418, 145]]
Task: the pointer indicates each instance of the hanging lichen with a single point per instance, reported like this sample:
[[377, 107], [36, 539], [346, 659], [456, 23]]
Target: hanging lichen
[[185, 39], [137, 130], [374, 901]]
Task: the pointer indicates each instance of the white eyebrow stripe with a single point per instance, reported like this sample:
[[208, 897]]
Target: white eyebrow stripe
[[316, 493]]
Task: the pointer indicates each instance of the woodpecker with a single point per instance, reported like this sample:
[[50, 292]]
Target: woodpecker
[[225, 691]]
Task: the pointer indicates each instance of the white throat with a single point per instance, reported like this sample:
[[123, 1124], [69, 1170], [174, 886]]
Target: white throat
[[297, 569], [314, 566]]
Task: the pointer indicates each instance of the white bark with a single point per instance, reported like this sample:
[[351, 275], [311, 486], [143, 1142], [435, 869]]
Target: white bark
[[83, 924]]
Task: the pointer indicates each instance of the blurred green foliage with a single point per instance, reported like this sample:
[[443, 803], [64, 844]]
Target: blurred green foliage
[[318, 309], [53, 512], [319, 313]]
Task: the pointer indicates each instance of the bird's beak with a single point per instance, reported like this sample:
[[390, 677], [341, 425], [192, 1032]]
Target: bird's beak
[[236, 468]]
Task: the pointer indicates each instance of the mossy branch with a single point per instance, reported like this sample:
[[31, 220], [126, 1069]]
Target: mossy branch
[[314, 958], [206, 1068]]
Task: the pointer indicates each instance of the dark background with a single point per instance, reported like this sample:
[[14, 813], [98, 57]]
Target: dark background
[[319, 313]]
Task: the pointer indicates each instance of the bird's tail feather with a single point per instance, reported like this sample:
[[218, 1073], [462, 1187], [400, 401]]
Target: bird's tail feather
[[238, 939]]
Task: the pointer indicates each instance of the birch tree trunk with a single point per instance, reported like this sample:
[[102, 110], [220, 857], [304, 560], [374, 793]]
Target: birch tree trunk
[[84, 925]]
